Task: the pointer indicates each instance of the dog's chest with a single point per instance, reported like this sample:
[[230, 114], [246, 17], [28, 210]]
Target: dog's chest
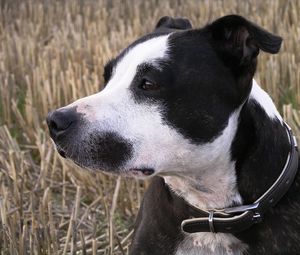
[[211, 244]]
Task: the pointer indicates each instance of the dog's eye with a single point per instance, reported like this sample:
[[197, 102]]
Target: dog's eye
[[149, 85]]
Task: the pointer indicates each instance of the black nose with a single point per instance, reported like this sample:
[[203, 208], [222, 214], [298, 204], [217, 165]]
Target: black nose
[[61, 120]]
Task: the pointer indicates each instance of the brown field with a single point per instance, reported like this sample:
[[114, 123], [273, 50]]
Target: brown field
[[53, 52]]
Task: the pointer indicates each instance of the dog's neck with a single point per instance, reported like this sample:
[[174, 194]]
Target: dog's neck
[[210, 183], [208, 191], [250, 170]]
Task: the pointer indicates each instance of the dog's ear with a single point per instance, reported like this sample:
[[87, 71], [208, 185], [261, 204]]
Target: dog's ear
[[240, 40], [167, 22]]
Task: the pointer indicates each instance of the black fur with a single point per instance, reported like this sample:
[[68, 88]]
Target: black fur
[[106, 151], [158, 222]]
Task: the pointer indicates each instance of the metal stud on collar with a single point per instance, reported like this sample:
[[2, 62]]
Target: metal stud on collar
[[211, 221]]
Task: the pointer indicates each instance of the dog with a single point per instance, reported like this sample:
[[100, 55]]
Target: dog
[[181, 105]]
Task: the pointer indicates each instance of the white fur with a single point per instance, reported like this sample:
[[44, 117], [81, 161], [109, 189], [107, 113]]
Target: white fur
[[265, 101]]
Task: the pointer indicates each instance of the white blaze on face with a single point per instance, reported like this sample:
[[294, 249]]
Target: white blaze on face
[[117, 89], [115, 110]]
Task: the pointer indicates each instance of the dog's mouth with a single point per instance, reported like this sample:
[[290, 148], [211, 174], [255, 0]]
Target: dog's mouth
[[142, 171], [138, 172]]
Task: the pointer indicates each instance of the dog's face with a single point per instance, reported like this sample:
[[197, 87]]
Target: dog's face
[[170, 103]]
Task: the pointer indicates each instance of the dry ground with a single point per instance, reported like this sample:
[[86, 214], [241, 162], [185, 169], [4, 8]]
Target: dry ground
[[52, 52]]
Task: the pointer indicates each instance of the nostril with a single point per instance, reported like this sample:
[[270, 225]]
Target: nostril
[[53, 122], [53, 125]]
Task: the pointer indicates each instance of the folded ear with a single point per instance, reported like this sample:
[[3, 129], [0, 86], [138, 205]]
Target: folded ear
[[240, 40], [167, 22]]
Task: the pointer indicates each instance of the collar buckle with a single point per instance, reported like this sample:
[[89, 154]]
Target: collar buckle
[[257, 217]]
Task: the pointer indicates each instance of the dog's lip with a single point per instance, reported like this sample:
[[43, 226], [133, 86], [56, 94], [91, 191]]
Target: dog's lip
[[144, 171], [61, 152]]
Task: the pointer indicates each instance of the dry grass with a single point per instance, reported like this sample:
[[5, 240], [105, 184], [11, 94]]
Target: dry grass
[[52, 52]]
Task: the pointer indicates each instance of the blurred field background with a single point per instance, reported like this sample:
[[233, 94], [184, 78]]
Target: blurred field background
[[53, 52]]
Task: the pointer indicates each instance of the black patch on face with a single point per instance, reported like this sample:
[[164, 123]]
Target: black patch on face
[[107, 150], [206, 76], [98, 151], [196, 92], [202, 94], [155, 75]]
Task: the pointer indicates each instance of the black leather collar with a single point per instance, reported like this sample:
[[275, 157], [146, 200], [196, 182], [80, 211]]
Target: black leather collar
[[240, 218]]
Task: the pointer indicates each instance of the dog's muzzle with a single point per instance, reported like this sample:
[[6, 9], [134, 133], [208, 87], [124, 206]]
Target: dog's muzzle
[[89, 148]]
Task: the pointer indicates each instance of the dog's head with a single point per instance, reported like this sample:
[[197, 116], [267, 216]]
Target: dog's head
[[170, 102]]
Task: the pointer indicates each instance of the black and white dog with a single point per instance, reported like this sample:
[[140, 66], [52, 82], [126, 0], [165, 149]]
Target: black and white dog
[[181, 104]]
